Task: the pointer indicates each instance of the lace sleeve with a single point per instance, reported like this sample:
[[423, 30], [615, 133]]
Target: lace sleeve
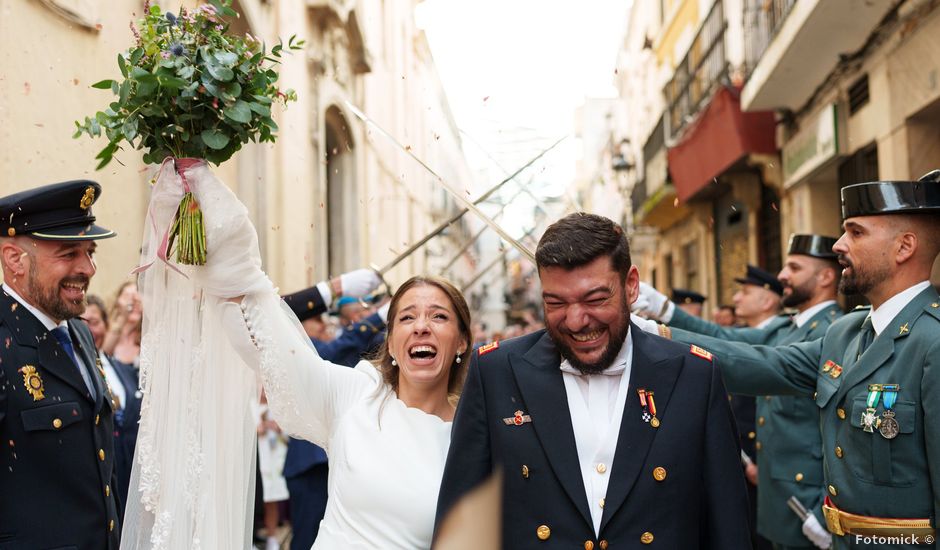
[[306, 393]]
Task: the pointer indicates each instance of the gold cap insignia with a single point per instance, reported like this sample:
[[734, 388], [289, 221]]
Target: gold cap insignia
[[33, 382], [87, 198]]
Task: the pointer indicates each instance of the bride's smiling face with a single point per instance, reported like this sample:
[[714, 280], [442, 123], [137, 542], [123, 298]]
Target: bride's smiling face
[[426, 337]]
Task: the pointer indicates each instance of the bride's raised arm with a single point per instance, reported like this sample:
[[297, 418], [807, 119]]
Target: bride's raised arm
[[306, 393]]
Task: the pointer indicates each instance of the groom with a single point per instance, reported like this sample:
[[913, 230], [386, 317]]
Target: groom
[[606, 435]]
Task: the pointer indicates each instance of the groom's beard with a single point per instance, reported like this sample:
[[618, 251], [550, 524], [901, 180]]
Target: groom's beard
[[617, 333]]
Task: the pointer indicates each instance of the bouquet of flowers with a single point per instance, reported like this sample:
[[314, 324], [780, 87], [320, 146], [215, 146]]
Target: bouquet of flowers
[[190, 89]]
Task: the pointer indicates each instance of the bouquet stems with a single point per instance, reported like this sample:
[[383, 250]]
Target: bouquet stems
[[188, 231]]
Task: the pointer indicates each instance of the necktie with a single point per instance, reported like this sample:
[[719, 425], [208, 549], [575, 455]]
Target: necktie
[[62, 335], [866, 336]]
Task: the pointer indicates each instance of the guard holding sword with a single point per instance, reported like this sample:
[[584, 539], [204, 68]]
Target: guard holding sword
[[875, 375]]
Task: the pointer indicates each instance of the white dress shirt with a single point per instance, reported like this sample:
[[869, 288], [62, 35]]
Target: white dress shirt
[[882, 317], [596, 402], [802, 317], [765, 322]]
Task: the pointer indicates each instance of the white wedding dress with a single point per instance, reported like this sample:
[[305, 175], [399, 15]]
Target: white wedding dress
[[193, 477], [386, 459]]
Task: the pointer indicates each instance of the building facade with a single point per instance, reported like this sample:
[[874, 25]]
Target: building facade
[[331, 195], [746, 117]]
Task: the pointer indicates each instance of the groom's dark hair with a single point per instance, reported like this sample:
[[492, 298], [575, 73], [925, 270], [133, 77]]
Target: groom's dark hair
[[580, 238]]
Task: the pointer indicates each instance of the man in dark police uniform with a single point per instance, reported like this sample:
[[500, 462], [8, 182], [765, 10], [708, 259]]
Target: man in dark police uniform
[[56, 468], [875, 375]]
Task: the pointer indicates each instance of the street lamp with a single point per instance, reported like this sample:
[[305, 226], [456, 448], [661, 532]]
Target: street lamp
[[622, 164]]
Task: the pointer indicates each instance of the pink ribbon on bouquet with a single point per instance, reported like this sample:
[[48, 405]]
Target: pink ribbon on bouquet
[[180, 166]]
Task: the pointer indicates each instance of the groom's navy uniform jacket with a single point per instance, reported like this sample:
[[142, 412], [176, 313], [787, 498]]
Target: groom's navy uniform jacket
[[57, 488], [677, 486]]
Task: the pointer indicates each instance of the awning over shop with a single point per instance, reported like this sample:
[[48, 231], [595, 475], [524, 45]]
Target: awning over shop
[[717, 139], [661, 209]]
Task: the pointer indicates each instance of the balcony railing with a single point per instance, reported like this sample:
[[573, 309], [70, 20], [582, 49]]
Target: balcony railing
[[762, 20], [698, 73]]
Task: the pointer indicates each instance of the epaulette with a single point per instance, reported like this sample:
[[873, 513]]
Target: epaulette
[[933, 309], [701, 352], [486, 348]]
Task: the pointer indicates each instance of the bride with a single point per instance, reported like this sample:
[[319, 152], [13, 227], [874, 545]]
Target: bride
[[385, 425]]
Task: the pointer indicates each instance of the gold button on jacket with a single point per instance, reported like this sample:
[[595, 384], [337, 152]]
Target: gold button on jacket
[[646, 538], [588, 545], [603, 544], [57, 423], [543, 532], [659, 473]]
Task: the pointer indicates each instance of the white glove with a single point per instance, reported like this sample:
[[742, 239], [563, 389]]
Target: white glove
[[657, 303], [383, 311], [233, 259], [359, 283], [646, 325], [816, 534], [641, 306]]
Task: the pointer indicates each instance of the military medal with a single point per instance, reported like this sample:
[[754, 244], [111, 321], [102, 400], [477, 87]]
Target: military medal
[[517, 419], [33, 382], [654, 422], [646, 416], [889, 426], [869, 418], [649, 407]]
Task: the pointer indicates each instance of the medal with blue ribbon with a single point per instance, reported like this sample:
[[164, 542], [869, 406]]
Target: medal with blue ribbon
[[889, 428], [869, 418]]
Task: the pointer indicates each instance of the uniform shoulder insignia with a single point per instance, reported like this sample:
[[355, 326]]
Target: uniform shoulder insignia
[[484, 349], [701, 352]]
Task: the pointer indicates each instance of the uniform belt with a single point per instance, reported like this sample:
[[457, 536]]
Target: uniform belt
[[841, 523]]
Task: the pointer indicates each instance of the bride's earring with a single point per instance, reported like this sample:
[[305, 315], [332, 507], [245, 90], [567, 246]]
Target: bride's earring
[[394, 362], [458, 359]]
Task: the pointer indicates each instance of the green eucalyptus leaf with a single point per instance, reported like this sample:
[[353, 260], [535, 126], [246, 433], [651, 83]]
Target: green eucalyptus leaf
[[214, 139], [219, 72], [122, 65], [130, 129], [227, 59], [262, 110], [171, 82], [239, 112], [186, 72], [103, 84]]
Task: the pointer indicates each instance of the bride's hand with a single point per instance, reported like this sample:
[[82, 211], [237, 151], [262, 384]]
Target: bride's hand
[[233, 259]]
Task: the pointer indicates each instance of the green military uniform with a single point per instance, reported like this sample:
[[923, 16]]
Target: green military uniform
[[878, 402], [788, 438], [787, 427], [865, 473]]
